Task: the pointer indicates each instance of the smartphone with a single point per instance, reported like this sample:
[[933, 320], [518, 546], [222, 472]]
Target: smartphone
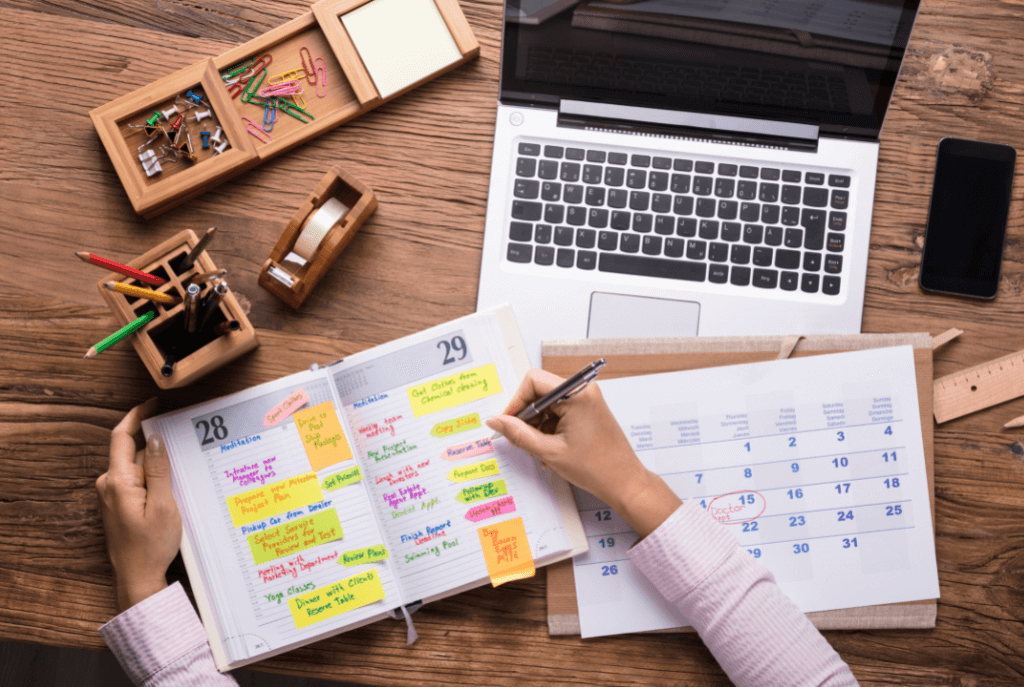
[[963, 241]]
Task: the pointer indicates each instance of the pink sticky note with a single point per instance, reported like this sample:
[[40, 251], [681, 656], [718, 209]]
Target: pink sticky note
[[473, 448], [285, 408], [491, 509]]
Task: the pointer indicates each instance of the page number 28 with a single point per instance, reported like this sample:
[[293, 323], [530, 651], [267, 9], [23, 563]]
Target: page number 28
[[457, 344]]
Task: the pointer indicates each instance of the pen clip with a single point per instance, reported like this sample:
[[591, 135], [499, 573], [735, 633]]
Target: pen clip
[[586, 382]]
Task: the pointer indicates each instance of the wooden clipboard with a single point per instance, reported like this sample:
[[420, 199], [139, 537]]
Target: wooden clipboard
[[627, 357]]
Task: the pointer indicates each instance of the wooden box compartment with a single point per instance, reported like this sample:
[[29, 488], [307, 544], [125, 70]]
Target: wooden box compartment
[[350, 89], [361, 203], [196, 354], [178, 181], [284, 45]]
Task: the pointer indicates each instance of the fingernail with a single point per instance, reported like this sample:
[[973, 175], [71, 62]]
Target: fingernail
[[495, 425], [155, 445]]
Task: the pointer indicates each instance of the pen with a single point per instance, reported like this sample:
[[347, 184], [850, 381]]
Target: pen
[[212, 302], [228, 327], [118, 267], [192, 308], [186, 264], [567, 389]]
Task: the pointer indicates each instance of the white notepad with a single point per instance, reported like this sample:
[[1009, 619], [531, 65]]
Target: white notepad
[[815, 464], [305, 518]]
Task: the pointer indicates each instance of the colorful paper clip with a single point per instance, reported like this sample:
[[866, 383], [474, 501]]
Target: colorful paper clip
[[270, 115], [238, 69], [295, 111], [250, 89], [256, 131], [321, 78], [281, 89], [290, 76], [311, 69]]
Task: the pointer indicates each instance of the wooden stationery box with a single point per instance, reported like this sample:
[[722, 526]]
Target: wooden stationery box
[[350, 90], [199, 353], [360, 201]]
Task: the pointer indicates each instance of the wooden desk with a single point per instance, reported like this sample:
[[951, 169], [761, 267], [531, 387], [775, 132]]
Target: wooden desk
[[415, 264]]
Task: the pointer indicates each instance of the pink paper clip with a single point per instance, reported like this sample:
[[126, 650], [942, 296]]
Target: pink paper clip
[[256, 130], [310, 70], [321, 81], [281, 89]]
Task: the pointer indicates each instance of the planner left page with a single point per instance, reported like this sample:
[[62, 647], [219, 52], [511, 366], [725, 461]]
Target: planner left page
[[277, 518]]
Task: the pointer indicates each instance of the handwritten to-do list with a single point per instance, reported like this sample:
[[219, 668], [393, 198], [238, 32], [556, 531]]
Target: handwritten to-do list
[[815, 464], [323, 500]]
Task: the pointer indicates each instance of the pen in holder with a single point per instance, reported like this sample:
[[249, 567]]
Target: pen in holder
[[319, 231], [173, 355]]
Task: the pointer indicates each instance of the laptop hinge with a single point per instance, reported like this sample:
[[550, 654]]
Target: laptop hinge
[[741, 130]]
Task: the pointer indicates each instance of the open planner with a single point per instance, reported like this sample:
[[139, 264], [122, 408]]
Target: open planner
[[815, 464], [335, 497]]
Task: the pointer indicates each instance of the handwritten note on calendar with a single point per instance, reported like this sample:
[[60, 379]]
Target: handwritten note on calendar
[[815, 464]]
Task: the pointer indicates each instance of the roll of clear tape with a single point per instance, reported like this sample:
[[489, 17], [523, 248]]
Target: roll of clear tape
[[317, 226]]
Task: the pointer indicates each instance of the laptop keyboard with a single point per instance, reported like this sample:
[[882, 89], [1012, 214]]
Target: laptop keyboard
[[688, 219]]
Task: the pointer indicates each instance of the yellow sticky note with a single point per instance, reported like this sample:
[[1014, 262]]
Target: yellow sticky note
[[454, 390], [370, 554], [506, 551], [343, 596], [485, 468], [273, 499], [342, 479], [320, 431], [294, 536]]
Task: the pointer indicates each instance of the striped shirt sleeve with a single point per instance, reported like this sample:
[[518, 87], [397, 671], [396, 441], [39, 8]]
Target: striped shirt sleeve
[[756, 632], [160, 642]]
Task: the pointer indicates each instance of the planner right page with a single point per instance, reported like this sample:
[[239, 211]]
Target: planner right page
[[815, 464]]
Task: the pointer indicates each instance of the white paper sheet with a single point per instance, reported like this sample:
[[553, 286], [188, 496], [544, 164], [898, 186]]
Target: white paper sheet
[[815, 464]]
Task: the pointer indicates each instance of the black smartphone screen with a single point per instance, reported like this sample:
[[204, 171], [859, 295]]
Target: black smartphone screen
[[963, 245]]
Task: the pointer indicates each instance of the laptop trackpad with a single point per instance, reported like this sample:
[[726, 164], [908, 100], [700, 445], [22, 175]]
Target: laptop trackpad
[[618, 316]]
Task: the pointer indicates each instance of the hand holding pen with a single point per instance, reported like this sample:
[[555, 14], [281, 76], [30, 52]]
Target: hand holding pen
[[588, 447]]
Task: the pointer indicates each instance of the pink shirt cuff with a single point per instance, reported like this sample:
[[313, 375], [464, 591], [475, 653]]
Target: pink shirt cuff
[[154, 634], [683, 552]]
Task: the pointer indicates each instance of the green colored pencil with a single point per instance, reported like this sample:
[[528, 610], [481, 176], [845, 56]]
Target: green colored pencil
[[121, 333]]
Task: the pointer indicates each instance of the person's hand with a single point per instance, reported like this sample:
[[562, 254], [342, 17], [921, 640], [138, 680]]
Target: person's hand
[[140, 516], [589, 449]]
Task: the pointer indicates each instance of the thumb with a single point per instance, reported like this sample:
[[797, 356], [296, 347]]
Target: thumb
[[523, 436], [157, 467]]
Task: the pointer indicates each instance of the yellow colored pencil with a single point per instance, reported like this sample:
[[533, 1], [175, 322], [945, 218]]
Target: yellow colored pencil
[[139, 292]]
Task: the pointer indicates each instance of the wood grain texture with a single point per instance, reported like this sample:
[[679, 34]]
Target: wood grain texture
[[415, 264]]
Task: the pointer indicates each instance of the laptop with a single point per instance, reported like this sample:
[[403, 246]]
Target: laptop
[[685, 168]]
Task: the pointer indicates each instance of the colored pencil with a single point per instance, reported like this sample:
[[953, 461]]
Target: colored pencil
[[206, 276], [204, 240], [120, 334], [118, 267], [139, 292]]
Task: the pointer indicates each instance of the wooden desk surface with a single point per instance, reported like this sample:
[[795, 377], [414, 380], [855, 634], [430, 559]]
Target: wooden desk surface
[[415, 264]]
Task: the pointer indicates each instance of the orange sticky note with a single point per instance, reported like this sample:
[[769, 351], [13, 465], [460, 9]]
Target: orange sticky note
[[320, 431], [506, 551]]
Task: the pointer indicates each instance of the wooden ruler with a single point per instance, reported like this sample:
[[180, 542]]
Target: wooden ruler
[[978, 387]]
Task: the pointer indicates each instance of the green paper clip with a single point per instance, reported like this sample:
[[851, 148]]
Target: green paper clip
[[238, 69], [252, 87], [290, 108]]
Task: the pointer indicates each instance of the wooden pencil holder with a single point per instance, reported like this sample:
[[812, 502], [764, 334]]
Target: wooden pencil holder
[[198, 353], [293, 286], [364, 65]]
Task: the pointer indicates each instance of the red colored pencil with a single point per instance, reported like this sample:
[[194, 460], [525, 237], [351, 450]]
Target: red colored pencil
[[118, 267]]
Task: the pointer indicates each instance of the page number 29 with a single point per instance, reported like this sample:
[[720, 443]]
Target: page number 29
[[457, 344]]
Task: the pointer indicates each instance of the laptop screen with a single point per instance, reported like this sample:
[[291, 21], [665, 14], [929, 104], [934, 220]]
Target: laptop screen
[[832, 63]]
